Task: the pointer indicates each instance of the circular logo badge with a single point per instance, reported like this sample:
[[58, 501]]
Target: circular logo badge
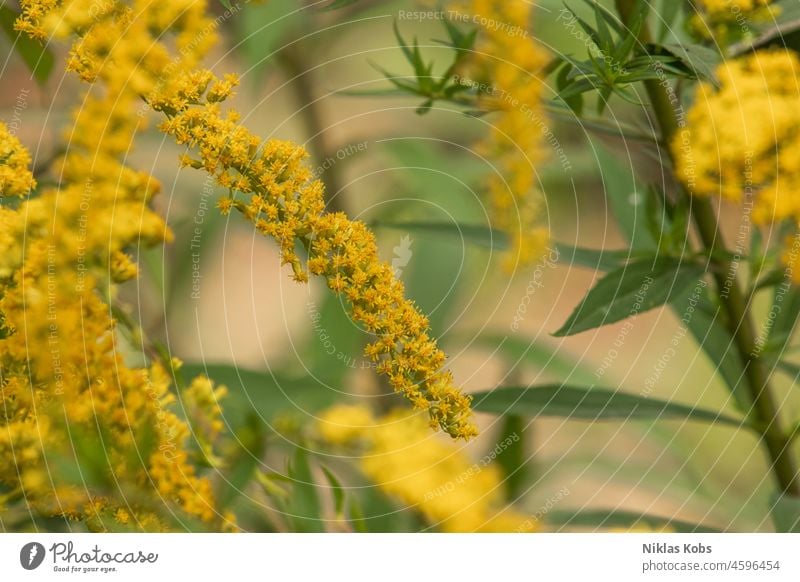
[[31, 555]]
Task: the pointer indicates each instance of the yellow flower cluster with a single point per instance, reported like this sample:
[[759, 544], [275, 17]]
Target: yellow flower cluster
[[435, 477], [739, 137], [286, 203], [511, 63], [15, 176], [66, 391], [201, 401], [740, 140], [727, 21]]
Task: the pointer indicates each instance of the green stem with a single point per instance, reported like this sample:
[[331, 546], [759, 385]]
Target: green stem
[[739, 319], [312, 118]]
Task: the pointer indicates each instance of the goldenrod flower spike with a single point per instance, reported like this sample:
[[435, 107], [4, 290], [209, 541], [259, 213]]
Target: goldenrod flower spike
[[287, 204], [62, 379], [508, 61]]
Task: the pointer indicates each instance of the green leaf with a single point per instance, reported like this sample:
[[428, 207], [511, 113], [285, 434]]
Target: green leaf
[[603, 94], [630, 40], [460, 41], [624, 194], [592, 404], [635, 288], [575, 89], [786, 514], [337, 490], [412, 56], [401, 83], [423, 72], [564, 80], [593, 34], [699, 61], [614, 518], [241, 464], [39, 59], [303, 507], [609, 17], [628, 94], [602, 28]]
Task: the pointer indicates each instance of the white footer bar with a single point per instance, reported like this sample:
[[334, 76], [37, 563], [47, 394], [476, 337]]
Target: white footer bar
[[400, 557]]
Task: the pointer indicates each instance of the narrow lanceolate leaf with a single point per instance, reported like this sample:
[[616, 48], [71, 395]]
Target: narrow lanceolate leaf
[[303, 508], [639, 286], [614, 519], [39, 59], [593, 404], [337, 490], [241, 464], [697, 60]]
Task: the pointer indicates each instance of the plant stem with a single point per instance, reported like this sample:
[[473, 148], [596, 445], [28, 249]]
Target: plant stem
[[765, 409], [301, 84]]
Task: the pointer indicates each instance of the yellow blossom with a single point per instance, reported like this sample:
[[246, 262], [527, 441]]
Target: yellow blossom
[[286, 203], [15, 175], [344, 423], [726, 21], [53, 280], [740, 139], [435, 477], [77, 246], [511, 63]]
